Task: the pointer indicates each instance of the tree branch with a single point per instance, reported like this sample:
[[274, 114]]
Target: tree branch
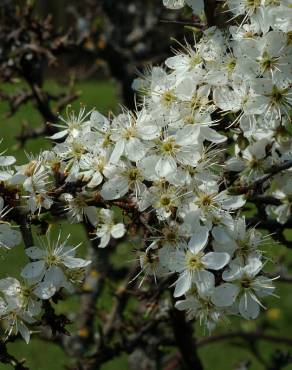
[[245, 336], [256, 186], [183, 333]]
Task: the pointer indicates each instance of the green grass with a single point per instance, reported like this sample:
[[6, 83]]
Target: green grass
[[45, 356]]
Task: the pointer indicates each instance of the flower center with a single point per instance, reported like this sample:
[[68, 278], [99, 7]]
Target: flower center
[[244, 248], [254, 163], [170, 235], [267, 63], [194, 261], [133, 174], [26, 292], [194, 61], [206, 200], [278, 96], [168, 98], [165, 200], [129, 133], [169, 146], [78, 150], [231, 65], [246, 283], [52, 259]]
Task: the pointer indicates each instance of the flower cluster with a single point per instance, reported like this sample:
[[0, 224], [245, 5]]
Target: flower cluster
[[168, 162], [53, 266]]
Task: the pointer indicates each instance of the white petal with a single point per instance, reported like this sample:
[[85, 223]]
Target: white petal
[[35, 253], [9, 237], [186, 304], [283, 213], [134, 149], [248, 308], [165, 166], [177, 61], [59, 135], [188, 135], [189, 157], [117, 152], [101, 230], [33, 270], [118, 230], [17, 179], [23, 330], [34, 307], [9, 286], [91, 214], [226, 99], [72, 262], [55, 276], [253, 266], [7, 160], [182, 284], [211, 135], [205, 282], [45, 290], [148, 132], [199, 239], [234, 272], [215, 261], [186, 87], [95, 180], [235, 164], [220, 234], [114, 188], [224, 295], [240, 228], [147, 167], [99, 122], [233, 202], [104, 240]]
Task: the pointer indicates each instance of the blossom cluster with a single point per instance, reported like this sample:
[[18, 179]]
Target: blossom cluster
[[169, 161]]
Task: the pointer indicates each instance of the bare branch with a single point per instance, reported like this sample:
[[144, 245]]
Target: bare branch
[[183, 333], [256, 186], [245, 336]]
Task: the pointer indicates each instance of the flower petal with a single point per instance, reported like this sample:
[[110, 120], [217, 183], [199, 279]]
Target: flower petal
[[215, 260], [182, 284], [45, 290], [73, 262], [199, 239], [224, 295], [248, 307], [118, 230], [33, 270], [34, 253]]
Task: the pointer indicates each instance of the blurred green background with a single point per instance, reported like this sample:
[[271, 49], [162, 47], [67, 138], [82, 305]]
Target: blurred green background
[[44, 356]]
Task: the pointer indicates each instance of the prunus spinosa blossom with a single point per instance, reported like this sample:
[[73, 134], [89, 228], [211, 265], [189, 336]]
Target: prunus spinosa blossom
[[211, 124]]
